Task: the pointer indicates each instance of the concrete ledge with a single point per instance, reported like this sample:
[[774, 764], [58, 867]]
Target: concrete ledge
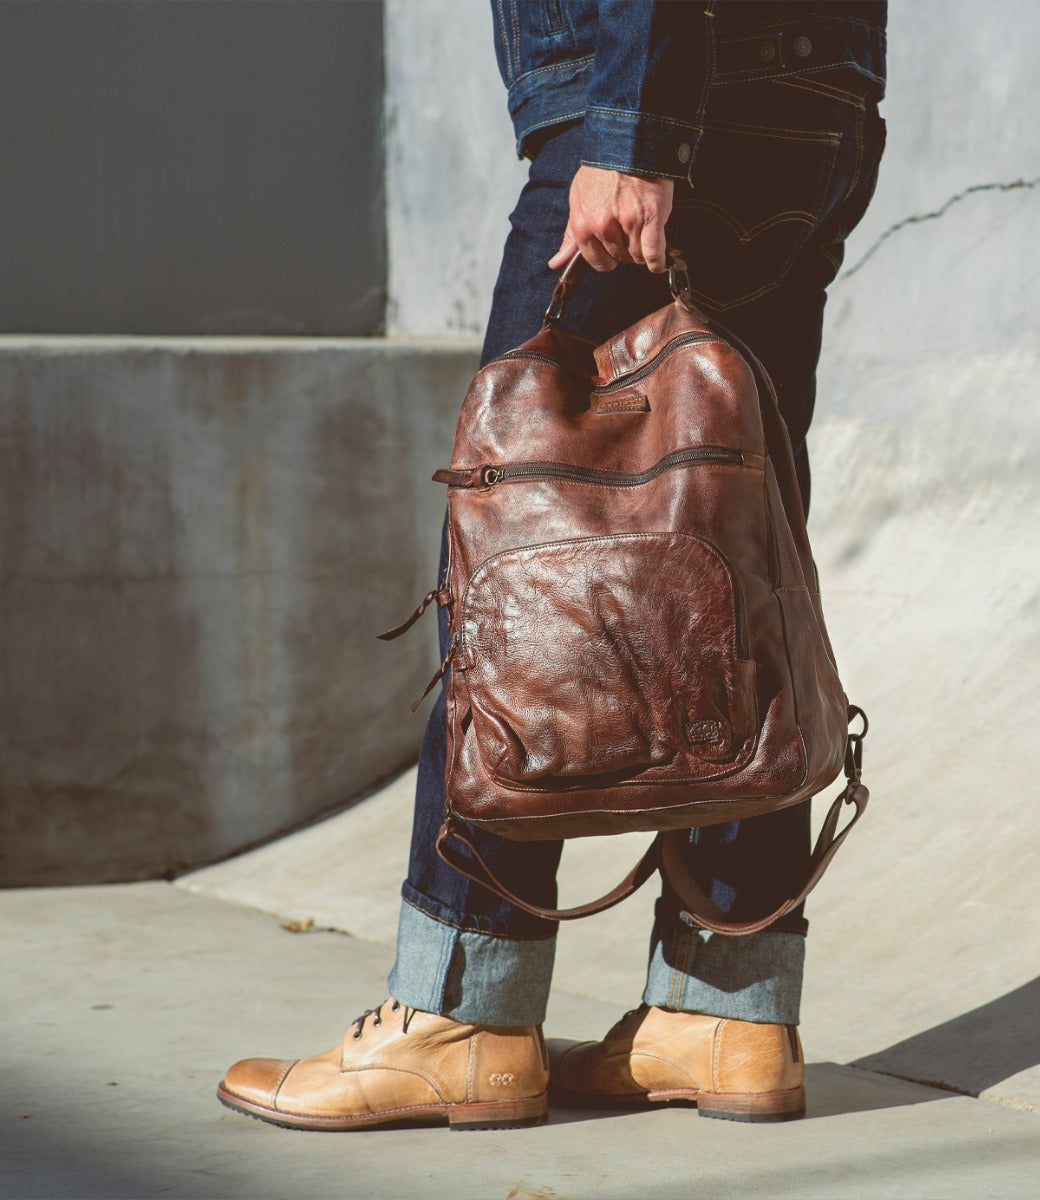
[[199, 540]]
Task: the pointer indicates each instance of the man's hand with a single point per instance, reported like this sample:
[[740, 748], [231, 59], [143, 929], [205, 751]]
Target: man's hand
[[616, 218]]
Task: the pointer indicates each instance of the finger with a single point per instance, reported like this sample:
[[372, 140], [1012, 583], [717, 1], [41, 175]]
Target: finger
[[634, 249], [600, 255], [566, 251], [654, 248]]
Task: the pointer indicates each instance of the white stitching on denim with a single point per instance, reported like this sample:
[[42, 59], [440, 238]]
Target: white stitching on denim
[[510, 73], [502, 937], [743, 232], [817, 88], [571, 62], [658, 171], [636, 116], [752, 74], [818, 136]]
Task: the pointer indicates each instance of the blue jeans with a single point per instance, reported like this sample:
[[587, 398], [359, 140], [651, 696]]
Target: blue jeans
[[785, 169]]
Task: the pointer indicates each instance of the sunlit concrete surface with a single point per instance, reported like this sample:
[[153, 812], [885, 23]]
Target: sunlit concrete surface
[[124, 1005]]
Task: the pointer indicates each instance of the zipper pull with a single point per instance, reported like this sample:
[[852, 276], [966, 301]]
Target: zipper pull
[[442, 670], [470, 477], [441, 595]]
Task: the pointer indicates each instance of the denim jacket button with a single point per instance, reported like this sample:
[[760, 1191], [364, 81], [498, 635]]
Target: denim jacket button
[[802, 47], [684, 152], [767, 52]]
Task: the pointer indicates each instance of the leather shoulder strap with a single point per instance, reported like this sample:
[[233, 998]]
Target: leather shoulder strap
[[665, 854], [705, 913], [474, 867]]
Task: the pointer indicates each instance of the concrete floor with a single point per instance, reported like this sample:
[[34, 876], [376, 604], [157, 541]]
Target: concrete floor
[[124, 1004]]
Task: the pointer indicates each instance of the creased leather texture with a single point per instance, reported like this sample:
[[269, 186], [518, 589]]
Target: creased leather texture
[[401, 1064], [735, 1069], [637, 639]]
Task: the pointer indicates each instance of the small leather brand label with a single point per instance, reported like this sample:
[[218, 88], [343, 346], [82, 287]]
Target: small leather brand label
[[631, 402]]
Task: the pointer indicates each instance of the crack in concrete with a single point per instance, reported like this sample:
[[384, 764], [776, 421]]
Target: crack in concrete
[[918, 218], [987, 1094]]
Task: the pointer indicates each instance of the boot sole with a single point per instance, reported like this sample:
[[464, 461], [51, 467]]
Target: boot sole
[[502, 1114], [786, 1105]]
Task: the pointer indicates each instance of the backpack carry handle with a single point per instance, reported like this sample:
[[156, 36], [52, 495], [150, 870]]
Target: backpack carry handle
[[570, 277]]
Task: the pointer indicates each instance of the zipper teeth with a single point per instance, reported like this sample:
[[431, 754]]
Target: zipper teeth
[[530, 355], [616, 478], [685, 339]]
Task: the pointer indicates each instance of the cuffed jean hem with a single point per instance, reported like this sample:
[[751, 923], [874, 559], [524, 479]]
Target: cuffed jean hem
[[472, 977], [753, 978]]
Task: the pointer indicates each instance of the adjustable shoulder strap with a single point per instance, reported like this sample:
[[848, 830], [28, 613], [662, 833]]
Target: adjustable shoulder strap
[[708, 915], [665, 854], [474, 867]]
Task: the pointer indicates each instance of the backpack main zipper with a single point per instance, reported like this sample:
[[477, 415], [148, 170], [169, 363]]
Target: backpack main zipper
[[490, 475], [684, 339]]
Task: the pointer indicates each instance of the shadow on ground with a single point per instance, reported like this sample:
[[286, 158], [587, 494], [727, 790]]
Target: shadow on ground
[[972, 1052]]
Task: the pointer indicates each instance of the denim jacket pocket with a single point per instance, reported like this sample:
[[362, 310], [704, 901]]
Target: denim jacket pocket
[[756, 196]]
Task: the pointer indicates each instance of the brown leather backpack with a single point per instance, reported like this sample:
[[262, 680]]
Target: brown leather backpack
[[637, 641]]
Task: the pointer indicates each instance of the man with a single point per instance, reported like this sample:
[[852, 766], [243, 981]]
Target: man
[[745, 133]]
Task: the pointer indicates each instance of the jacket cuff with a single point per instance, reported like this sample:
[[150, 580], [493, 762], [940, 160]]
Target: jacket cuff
[[638, 144]]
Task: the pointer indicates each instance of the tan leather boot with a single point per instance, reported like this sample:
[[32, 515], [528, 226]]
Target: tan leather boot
[[399, 1064], [737, 1070]]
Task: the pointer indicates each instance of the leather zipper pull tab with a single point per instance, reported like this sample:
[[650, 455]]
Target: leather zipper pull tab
[[440, 595], [442, 670]]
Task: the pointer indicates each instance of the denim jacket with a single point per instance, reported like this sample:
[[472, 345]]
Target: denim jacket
[[638, 72]]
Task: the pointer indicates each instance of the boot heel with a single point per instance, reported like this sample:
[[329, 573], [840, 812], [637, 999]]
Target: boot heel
[[788, 1105], [502, 1114]]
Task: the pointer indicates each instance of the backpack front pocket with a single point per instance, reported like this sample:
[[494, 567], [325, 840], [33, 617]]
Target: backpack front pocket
[[594, 661]]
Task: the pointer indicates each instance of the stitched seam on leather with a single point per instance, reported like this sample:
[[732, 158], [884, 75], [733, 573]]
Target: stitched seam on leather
[[375, 1065], [675, 1064], [716, 1054], [471, 1050], [517, 551], [281, 1083], [382, 1113], [735, 766]]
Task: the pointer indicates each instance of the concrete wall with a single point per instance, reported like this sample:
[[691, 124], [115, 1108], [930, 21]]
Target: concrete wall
[[452, 175], [199, 542], [205, 168]]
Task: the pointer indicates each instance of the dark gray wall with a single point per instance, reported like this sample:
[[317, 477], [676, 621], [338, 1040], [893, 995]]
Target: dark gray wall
[[191, 167], [198, 545]]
